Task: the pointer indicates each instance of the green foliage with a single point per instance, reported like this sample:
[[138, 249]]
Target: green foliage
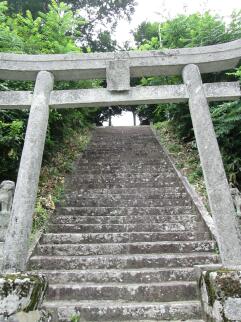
[[52, 173], [11, 137], [185, 155], [75, 318], [54, 31], [193, 31], [145, 32], [101, 18]]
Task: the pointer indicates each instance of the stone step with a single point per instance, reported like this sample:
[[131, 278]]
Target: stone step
[[155, 176], [116, 311], [141, 275], [125, 237], [121, 151], [163, 292], [1, 247], [163, 191], [127, 155], [126, 248], [126, 211], [128, 195], [112, 149], [122, 261], [109, 201], [139, 163], [117, 171], [123, 183], [101, 220], [109, 228]]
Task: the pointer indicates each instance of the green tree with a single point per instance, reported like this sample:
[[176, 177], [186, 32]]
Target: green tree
[[192, 31], [145, 32], [101, 18], [54, 31]]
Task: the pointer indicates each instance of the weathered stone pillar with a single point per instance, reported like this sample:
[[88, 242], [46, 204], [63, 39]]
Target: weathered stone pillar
[[19, 229], [219, 196]]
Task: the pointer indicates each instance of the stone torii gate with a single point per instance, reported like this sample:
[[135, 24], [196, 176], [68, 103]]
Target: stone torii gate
[[117, 69]]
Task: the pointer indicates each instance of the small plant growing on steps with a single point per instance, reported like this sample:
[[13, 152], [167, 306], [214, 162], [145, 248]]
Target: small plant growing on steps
[[75, 318]]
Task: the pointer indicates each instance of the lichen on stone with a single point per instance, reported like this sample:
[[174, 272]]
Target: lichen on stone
[[21, 293]]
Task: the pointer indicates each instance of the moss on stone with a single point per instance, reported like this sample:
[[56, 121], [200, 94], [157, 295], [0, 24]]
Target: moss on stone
[[39, 290], [31, 287], [210, 289]]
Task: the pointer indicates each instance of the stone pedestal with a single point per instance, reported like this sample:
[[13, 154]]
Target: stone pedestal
[[221, 295], [20, 297]]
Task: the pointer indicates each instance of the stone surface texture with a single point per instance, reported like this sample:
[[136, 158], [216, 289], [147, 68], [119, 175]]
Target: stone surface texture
[[223, 91], [6, 198], [17, 237], [220, 199], [221, 295], [118, 75], [124, 240], [20, 296], [93, 66]]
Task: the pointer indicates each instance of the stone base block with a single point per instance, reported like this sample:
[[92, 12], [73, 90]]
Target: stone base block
[[221, 295], [20, 297]]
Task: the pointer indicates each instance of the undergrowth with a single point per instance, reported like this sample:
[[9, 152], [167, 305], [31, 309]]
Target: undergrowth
[[184, 155], [52, 177]]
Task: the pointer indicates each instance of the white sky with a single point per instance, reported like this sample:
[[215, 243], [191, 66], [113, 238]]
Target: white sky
[[125, 119], [160, 10]]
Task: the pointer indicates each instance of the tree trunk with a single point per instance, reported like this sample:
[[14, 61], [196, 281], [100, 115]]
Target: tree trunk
[[134, 118]]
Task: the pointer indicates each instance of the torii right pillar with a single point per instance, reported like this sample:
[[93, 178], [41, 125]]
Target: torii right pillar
[[220, 199]]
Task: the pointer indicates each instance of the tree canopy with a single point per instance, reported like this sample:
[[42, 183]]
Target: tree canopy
[[101, 18]]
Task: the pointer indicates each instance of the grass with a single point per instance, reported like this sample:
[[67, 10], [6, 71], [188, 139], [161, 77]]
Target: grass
[[51, 182], [185, 156]]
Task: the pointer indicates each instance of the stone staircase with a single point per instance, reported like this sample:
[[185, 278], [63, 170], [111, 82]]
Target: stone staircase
[[123, 243]]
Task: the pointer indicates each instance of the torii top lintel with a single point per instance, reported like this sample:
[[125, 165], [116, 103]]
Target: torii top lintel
[[213, 58]]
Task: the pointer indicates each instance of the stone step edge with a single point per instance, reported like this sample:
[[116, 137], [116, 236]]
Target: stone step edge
[[62, 216], [187, 207], [122, 285], [163, 255], [107, 303], [112, 270], [135, 243]]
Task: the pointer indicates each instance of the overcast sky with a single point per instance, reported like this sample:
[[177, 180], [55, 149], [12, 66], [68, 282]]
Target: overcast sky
[[159, 10]]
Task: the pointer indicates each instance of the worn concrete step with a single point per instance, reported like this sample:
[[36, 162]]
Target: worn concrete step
[[126, 248], [101, 220], [1, 247], [113, 150], [121, 170], [141, 152], [140, 163], [124, 158], [124, 237], [116, 311], [122, 261], [123, 183], [96, 228], [109, 201], [164, 292], [124, 167], [126, 211], [132, 191], [155, 176], [108, 193], [141, 275]]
